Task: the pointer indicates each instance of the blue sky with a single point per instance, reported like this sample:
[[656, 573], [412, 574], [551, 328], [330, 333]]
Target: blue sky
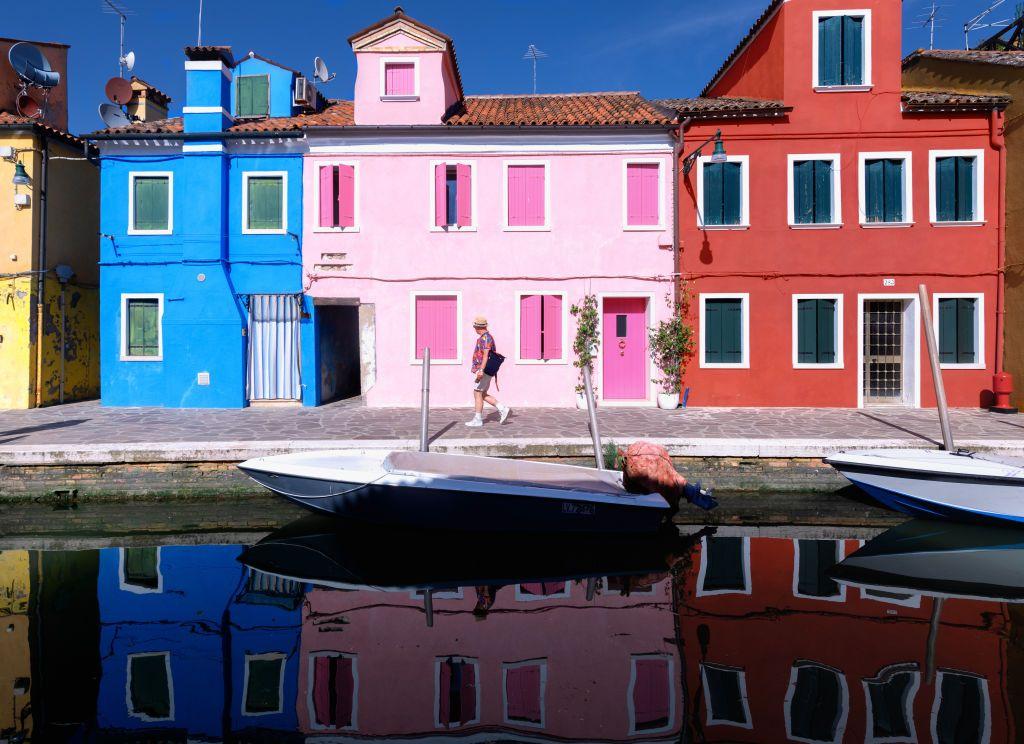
[[664, 48]]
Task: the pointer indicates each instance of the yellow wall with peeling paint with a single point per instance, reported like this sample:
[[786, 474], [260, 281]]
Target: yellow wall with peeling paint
[[14, 645]]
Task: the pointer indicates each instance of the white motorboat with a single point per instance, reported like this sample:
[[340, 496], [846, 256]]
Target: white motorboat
[[933, 484], [467, 492]]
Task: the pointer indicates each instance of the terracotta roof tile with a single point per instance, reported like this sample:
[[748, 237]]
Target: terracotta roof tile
[[10, 120], [572, 109], [335, 114], [924, 100], [762, 19], [1006, 58], [723, 107]]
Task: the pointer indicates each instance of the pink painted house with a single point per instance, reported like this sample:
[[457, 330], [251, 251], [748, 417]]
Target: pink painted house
[[426, 207], [540, 666]]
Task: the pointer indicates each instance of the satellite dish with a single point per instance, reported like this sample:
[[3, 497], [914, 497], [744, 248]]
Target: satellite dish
[[118, 90], [28, 106], [32, 65], [128, 61], [113, 116], [320, 71]]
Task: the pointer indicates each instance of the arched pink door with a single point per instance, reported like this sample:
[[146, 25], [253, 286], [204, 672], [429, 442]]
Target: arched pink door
[[624, 354]]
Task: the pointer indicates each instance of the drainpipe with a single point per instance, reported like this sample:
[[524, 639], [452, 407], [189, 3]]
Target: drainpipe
[[679, 135], [1002, 382], [41, 281]]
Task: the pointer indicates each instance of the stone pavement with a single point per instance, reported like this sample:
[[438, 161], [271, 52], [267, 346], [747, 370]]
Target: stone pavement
[[77, 429]]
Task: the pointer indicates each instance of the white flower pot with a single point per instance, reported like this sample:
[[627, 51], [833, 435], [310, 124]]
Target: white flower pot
[[668, 401]]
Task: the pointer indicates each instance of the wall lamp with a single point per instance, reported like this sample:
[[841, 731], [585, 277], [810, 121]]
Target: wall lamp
[[717, 156], [20, 176]]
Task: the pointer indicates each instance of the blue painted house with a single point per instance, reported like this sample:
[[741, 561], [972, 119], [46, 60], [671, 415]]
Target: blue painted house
[[202, 302]]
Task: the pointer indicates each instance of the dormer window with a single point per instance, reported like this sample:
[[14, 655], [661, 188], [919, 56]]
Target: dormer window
[[399, 79], [252, 96], [842, 50]]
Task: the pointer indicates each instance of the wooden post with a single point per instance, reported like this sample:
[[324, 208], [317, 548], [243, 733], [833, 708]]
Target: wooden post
[[933, 357], [595, 434], [425, 402]]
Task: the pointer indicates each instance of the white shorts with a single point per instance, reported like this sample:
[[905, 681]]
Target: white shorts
[[484, 384]]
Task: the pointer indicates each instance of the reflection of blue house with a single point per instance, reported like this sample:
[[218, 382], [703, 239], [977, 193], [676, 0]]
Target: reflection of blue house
[[202, 302], [193, 643]]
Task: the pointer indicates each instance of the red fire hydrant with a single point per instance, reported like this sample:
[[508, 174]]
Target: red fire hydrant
[[1002, 387]]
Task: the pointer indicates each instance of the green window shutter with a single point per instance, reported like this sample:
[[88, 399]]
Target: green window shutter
[[713, 194], [826, 327], [945, 189], [265, 208], [874, 190], [150, 690], [823, 192], [803, 192], [253, 95], [732, 331], [893, 176], [965, 342], [243, 96], [143, 327], [830, 65], [947, 330], [151, 200], [964, 189], [853, 50], [806, 331], [732, 188], [713, 331]]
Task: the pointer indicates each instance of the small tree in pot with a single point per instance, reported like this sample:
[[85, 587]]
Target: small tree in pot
[[584, 346], [671, 343]]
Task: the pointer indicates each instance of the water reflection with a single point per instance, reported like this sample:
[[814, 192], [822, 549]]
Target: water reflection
[[717, 636]]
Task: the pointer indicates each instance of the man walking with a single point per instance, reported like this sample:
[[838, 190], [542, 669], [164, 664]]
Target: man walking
[[482, 380]]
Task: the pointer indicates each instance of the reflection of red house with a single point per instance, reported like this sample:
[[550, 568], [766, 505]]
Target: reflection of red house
[[544, 663], [779, 652]]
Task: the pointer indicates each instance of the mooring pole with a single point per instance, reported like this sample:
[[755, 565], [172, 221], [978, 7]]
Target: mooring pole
[[592, 410], [933, 357], [425, 402]]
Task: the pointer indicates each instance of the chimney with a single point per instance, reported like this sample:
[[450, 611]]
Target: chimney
[[148, 103], [208, 88]]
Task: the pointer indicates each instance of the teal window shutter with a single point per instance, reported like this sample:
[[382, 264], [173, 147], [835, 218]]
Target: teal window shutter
[[826, 328], [830, 48], [874, 190], [732, 188], [957, 342], [714, 205], [252, 95], [853, 50], [265, 207], [946, 189], [151, 199], [965, 189], [893, 170], [723, 331], [803, 192], [806, 331], [143, 327], [823, 192], [965, 341], [947, 330]]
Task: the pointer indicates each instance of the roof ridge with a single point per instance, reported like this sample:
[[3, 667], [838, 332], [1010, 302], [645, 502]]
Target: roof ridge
[[559, 95]]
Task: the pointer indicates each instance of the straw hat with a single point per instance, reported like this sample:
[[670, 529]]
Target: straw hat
[[479, 322]]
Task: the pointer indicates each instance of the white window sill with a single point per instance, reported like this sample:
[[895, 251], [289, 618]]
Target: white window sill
[[842, 88], [142, 358], [419, 362], [353, 229], [453, 229], [966, 223], [798, 365], [399, 98], [246, 231], [526, 228], [643, 228], [816, 226], [541, 362], [133, 231], [883, 225], [954, 365], [725, 365], [709, 228]]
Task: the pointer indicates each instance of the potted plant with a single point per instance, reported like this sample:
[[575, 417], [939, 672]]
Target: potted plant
[[671, 344], [584, 346]]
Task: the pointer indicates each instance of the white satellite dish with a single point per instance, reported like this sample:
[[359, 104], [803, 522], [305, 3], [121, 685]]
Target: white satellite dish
[[320, 71], [128, 60], [113, 116], [32, 65]]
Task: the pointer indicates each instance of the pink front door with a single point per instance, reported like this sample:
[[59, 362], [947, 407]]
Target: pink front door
[[624, 331]]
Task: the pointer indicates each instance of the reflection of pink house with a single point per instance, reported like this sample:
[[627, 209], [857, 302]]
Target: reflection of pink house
[[426, 207], [548, 667]]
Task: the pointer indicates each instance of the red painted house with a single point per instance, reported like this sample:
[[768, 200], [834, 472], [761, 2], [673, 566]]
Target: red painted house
[[838, 193]]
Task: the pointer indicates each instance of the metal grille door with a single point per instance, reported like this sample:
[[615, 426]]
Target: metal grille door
[[883, 352], [274, 348]]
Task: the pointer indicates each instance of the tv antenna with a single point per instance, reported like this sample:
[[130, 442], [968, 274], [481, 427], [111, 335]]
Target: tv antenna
[[34, 71], [199, 33], [533, 54], [320, 71], [931, 19], [979, 22], [123, 60]]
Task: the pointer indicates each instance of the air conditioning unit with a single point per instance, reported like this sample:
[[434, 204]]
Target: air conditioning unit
[[305, 93]]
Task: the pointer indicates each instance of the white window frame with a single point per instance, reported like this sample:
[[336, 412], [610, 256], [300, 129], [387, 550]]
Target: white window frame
[[979, 187], [159, 297], [562, 360], [413, 294], [437, 691], [132, 176], [283, 175], [744, 297], [837, 196], [317, 227], [979, 326], [543, 664], [839, 362], [744, 224], [631, 710], [546, 227], [128, 687], [986, 735], [135, 588], [523, 597], [415, 62], [710, 720], [280, 683], [840, 554], [908, 710], [311, 706], [433, 197], [908, 188], [867, 85], [747, 583], [660, 225], [844, 701]]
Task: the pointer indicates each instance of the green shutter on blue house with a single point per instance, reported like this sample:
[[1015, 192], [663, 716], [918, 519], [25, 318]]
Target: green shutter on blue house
[[265, 208], [830, 51], [252, 95], [853, 50], [957, 325], [816, 331], [723, 331], [151, 199], [143, 327]]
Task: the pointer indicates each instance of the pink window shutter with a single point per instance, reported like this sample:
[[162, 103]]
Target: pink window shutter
[[327, 196], [552, 326], [634, 195], [516, 196], [522, 689], [322, 690], [464, 195], [344, 687], [468, 692], [535, 195], [404, 80], [435, 326], [530, 327], [444, 691], [651, 691], [440, 195], [649, 194], [346, 196]]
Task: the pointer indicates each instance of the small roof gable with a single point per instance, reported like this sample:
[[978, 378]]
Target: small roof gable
[[268, 60], [759, 24]]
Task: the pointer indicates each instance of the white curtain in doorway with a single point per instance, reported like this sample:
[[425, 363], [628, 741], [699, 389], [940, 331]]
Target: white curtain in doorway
[[274, 361]]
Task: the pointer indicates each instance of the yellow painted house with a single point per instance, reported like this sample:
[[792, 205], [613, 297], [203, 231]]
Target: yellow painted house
[[49, 277]]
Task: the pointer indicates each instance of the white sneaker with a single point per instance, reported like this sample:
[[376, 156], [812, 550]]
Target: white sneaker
[[475, 422], [504, 411]]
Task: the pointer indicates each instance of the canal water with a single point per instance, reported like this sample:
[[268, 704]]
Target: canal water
[[338, 632]]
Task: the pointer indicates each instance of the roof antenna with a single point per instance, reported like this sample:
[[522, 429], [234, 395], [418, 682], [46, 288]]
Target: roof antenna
[[976, 23], [931, 19], [533, 54], [123, 60], [199, 33]]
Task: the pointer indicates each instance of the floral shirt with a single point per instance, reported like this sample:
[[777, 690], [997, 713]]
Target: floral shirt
[[484, 343]]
